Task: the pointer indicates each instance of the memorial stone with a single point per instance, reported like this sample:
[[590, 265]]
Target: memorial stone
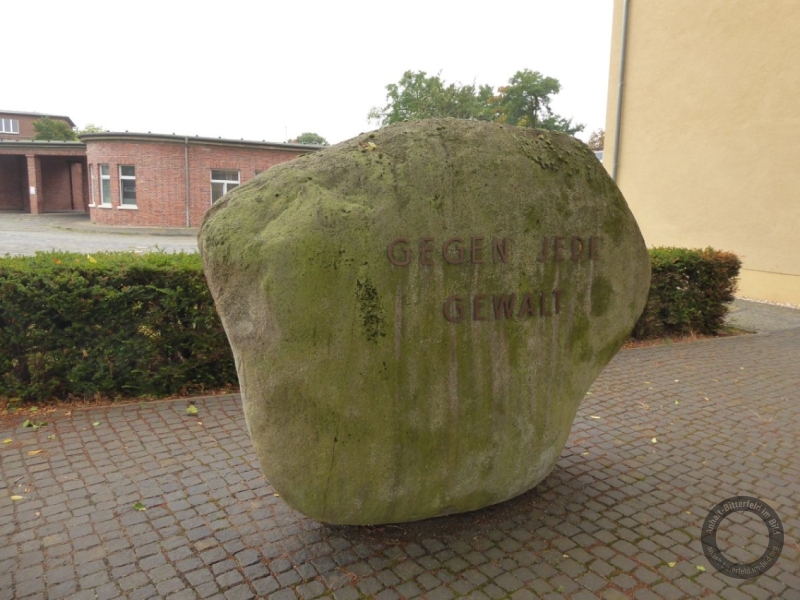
[[417, 313]]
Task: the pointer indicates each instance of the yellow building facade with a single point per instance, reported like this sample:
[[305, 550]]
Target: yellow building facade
[[703, 130]]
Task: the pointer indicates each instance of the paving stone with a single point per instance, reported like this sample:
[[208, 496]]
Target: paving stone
[[409, 590], [61, 590], [240, 592], [617, 512], [143, 593], [346, 593], [440, 593], [312, 589]]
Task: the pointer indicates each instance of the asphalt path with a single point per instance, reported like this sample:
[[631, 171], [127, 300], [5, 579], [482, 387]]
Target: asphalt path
[[22, 234]]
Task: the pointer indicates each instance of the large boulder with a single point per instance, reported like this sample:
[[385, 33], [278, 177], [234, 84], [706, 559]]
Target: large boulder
[[416, 313]]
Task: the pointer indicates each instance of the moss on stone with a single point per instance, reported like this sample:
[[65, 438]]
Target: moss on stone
[[364, 403]]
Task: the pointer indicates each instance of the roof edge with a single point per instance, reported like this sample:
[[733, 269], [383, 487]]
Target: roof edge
[[184, 139], [36, 114], [41, 144]]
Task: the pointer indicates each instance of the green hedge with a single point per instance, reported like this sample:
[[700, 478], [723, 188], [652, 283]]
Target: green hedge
[[689, 292], [124, 325], [115, 324]]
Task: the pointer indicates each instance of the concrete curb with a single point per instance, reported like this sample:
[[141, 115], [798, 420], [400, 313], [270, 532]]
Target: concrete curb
[[120, 230]]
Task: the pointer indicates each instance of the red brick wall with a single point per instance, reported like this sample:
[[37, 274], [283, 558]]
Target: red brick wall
[[26, 130], [13, 179], [160, 181], [56, 184]]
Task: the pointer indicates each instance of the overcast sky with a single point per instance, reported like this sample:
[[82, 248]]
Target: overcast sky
[[268, 70]]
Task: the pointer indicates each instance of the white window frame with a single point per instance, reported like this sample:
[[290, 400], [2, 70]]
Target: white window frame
[[9, 125], [105, 201], [227, 184], [92, 198], [122, 180]]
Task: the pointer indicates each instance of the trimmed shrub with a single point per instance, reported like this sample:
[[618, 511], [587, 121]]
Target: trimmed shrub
[[125, 325], [689, 292], [115, 324]]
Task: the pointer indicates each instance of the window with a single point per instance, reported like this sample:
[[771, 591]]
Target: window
[[105, 185], [9, 125], [222, 182], [127, 185]]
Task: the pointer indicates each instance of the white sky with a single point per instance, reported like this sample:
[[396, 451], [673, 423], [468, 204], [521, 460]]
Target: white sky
[[268, 69]]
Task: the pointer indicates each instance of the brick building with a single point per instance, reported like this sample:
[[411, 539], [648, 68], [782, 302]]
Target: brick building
[[128, 179], [39, 176], [19, 125], [170, 180]]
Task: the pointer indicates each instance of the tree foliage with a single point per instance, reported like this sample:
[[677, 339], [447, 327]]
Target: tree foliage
[[310, 138], [53, 129], [418, 96], [525, 101], [597, 139], [91, 128]]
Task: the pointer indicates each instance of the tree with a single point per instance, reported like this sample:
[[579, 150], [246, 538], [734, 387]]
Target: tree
[[525, 101], [597, 140], [310, 138], [91, 128], [418, 96], [53, 129]]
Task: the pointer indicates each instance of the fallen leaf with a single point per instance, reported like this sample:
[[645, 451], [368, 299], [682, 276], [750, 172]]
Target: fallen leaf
[[654, 440], [91, 259], [34, 409], [584, 453], [595, 417], [191, 409], [701, 568], [34, 452], [276, 494], [677, 401], [51, 437], [16, 497], [96, 423], [139, 506], [671, 564], [7, 441]]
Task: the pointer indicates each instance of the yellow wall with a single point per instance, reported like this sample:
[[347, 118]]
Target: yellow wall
[[710, 131]]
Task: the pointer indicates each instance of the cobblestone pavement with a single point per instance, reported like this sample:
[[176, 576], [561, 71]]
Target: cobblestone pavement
[[760, 317], [665, 433], [23, 234]]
